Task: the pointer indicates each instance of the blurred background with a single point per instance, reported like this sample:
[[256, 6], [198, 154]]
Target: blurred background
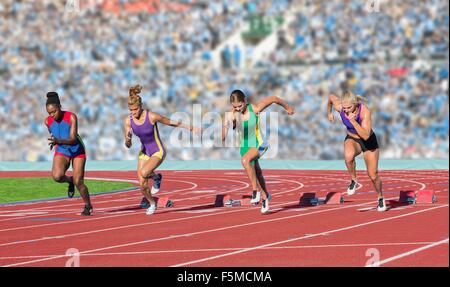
[[394, 53]]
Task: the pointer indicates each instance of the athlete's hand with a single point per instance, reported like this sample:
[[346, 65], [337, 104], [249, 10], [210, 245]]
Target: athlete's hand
[[128, 140], [52, 141], [330, 117], [290, 110], [351, 117]]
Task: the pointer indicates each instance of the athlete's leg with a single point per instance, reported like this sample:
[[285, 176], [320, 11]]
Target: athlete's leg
[[146, 167], [246, 160], [351, 150], [59, 168], [260, 177], [78, 165], [371, 160]]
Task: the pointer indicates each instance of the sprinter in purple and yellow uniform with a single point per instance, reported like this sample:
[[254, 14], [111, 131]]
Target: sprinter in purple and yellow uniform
[[69, 148], [144, 124], [360, 138]]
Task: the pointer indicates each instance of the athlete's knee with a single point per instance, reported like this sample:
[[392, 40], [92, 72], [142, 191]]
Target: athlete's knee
[[245, 162], [373, 176], [349, 159], [58, 176], [145, 173]]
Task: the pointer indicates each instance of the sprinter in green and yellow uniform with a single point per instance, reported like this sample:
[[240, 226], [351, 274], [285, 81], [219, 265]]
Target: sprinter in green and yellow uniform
[[244, 117]]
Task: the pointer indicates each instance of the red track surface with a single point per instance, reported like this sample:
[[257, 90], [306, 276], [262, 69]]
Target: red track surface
[[195, 233]]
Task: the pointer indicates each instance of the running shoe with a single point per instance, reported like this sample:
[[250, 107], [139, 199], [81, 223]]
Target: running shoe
[[87, 210], [352, 188], [71, 188], [156, 183], [256, 197], [265, 204]]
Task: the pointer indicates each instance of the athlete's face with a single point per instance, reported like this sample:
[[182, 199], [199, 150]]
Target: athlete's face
[[54, 111], [239, 106], [135, 111], [348, 107]]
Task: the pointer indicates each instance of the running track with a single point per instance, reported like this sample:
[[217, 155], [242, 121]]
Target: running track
[[195, 233]]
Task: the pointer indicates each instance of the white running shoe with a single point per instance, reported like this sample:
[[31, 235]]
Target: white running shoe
[[352, 188], [256, 197], [265, 204], [157, 183], [381, 205], [151, 209]]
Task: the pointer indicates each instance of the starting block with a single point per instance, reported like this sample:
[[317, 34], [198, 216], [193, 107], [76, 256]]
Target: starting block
[[426, 196], [310, 199], [420, 196], [227, 201], [163, 201], [407, 196], [334, 198], [221, 199], [232, 202], [307, 198]]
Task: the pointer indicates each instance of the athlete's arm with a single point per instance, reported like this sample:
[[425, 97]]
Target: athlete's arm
[[364, 129], [50, 144], [228, 118], [264, 103], [154, 117], [128, 132], [333, 102]]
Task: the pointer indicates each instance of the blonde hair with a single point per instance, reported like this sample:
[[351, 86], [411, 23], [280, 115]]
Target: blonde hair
[[134, 98], [350, 97]]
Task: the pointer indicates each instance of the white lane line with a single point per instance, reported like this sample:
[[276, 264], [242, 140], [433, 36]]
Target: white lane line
[[302, 237], [210, 231], [225, 249], [390, 259]]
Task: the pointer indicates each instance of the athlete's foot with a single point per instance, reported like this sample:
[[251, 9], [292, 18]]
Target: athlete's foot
[[144, 203], [352, 187], [265, 203], [87, 210], [256, 197], [71, 188], [151, 209], [157, 183], [381, 205]]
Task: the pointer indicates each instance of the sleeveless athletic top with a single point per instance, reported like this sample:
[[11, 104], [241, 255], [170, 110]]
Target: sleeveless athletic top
[[61, 130], [149, 136], [251, 132], [347, 122]]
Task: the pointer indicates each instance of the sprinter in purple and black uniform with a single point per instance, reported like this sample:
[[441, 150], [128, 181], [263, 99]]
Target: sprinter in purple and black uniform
[[360, 138], [63, 129], [144, 124]]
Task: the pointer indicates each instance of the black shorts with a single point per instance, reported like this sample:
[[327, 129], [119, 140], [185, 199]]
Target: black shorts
[[370, 144]]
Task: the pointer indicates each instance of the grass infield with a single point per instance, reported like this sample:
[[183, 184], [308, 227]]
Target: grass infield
[[20, 189]]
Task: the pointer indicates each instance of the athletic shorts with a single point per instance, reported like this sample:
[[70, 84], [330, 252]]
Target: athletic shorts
[[370, 144], [158, 154], [81, 155], [261, 151]]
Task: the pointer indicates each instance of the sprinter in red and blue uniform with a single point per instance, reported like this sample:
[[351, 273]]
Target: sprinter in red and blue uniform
[[69, 148]]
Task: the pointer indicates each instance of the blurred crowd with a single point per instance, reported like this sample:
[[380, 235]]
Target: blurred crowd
[[397, 59], [337, 31]]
